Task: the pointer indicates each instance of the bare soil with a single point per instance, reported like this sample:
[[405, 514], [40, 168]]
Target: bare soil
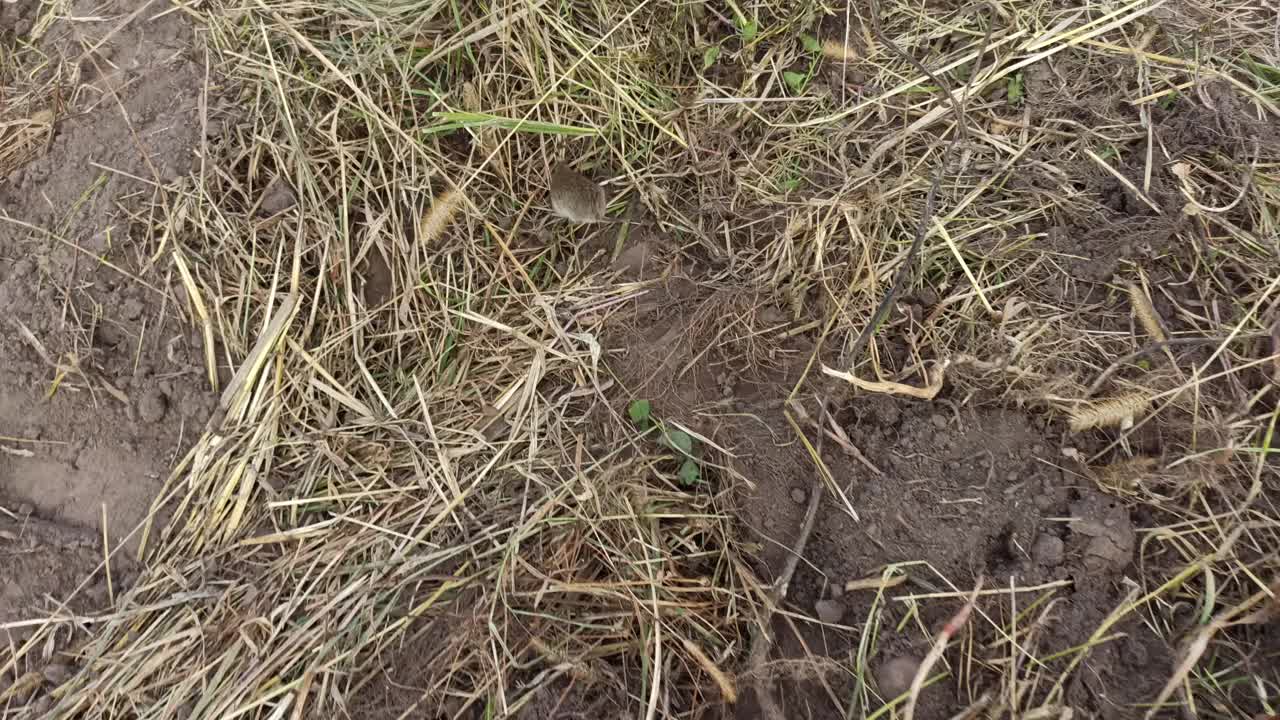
[[971, 489], [103, 383], [962, 487]]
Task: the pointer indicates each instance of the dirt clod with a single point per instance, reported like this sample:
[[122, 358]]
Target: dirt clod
[[799, 496], [894, 677], [829, 611], [1049, 550], [1110, 533], [277, 198], [152, 406]]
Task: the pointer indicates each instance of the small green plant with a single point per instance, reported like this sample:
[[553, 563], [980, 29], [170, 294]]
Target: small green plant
[[641, 412], [790, 177], [1015, 91], [748, 28], [690, 472], [709, 56], [798, 81]]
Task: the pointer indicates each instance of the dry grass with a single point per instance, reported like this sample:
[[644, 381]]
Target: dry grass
[[450, 463]]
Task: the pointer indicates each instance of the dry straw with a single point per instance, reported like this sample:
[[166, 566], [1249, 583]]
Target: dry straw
[[445, 494]]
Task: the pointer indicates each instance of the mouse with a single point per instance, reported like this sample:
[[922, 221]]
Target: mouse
[[575, 196]]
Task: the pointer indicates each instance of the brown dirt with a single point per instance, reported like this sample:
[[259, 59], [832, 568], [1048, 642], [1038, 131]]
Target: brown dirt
[[963, 487], [103, 382], [48, 569], [973, 490]]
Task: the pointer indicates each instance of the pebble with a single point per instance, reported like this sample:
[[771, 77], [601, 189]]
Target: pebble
[[894, 677], [939, 421], [152, 406], [1048, 550], [798, 496], [829, 611]]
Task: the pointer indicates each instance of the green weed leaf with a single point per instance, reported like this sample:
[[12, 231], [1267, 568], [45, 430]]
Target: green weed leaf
[[690, 473], [641, 413], [709, 56], [1015, 91], [748, 29], [681, 441], [796, 81], [811, 43]]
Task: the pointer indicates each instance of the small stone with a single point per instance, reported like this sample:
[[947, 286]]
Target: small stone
[[57, 673], [798, 496], [894, 677], [939, 421], [152, 406], [829, 611], [1048, 550]]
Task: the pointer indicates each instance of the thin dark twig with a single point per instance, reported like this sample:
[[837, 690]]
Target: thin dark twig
[[930, 201], [763, 640]]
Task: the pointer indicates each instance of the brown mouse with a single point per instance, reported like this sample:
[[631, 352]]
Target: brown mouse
[[575, 196]]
